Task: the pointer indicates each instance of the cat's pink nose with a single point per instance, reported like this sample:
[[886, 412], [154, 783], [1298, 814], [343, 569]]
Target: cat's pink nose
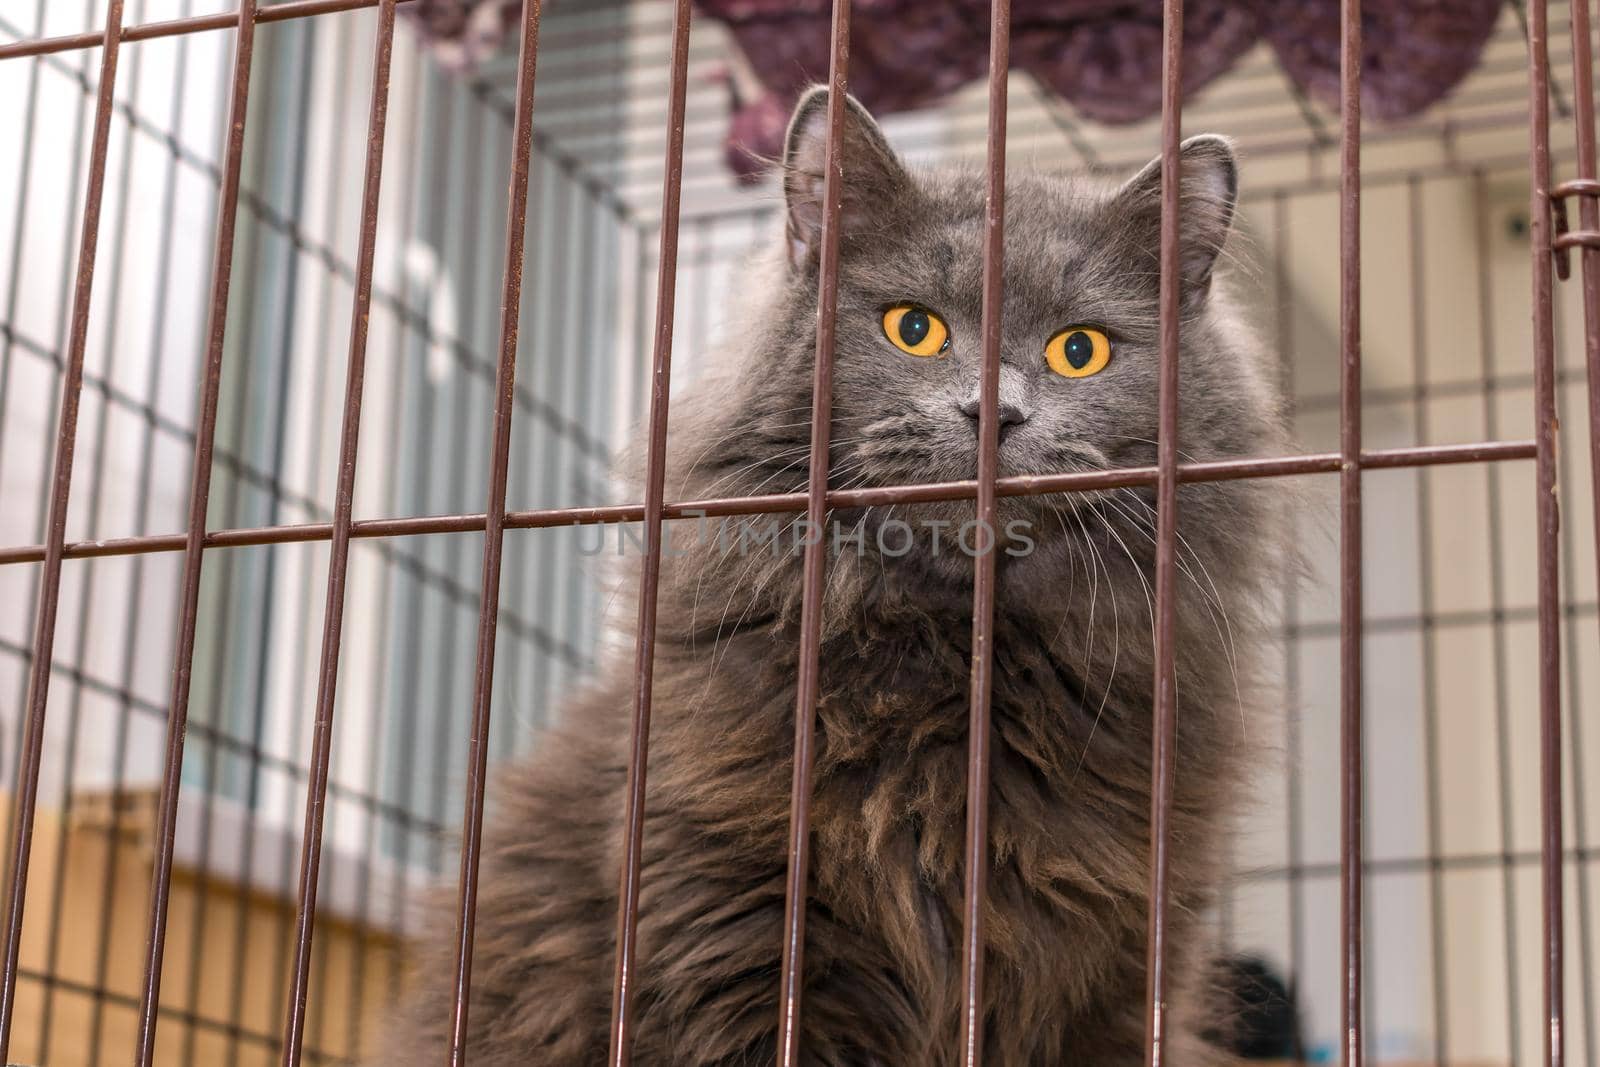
[[1011, 415]]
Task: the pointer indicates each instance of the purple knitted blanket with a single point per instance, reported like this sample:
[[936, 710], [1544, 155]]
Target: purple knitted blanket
[[1104, 56]]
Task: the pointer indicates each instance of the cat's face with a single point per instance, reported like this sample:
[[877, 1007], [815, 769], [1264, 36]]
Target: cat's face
[[1080, 331]]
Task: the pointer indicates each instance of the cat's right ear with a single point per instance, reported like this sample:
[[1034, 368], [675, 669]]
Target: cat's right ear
[[871, 172], [1207, 198]]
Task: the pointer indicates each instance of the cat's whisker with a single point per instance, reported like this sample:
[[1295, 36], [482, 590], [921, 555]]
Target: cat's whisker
[[1182, 453], [1116, 631], [778, 564], [719, 648], [1212, 596], [1146, 525], [800, 452], [1072, 576], [714, 487], [1137, 569], [1094, 593], [1150, 610], [1215, 608], [688, 476]]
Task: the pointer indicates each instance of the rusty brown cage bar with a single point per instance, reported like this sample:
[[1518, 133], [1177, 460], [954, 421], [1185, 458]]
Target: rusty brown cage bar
[[1551, 244]]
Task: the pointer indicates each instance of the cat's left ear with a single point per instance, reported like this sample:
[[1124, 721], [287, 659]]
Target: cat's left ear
[[872, 174], [1206, 200]]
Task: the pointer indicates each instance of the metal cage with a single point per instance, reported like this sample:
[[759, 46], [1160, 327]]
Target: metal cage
[[590, 288]]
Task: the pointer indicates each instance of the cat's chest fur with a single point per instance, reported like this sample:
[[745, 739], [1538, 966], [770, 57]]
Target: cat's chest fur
[[893, 724], [890, 783]]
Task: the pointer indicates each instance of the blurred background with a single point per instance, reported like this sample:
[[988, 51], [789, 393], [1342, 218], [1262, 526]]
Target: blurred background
[[1451, 702]]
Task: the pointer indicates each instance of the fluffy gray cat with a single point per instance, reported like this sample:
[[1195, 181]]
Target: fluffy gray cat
[[1069, 802]]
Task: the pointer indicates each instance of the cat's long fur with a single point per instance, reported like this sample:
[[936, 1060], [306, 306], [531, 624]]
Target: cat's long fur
[[1070, 764]]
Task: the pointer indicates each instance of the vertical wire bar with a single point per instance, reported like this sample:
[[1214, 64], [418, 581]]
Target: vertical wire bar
[[277, 969], [1579, 851], [494, 527], [293, 290], [1589, 220], [1165, 725], [199, 504], [1350, 584], [977, 845], [383, 733], [460, 457], [141, 524], [97, 480], [339, 552], [10, 339], [221, 636], [649, 579], [8, 316], [55, 535], [240, 961], [806, 682], [1547, 528]]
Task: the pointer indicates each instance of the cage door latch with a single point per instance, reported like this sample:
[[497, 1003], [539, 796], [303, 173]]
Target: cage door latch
[[1566, 239]]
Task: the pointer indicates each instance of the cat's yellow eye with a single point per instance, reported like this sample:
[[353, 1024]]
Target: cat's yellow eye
[[916, 331], [1078, 351]]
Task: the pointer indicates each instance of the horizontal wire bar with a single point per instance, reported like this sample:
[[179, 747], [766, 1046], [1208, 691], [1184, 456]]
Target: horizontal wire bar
[[1577, 239], [1576, 186], [777, 503], [261, 479], [256, 478], [293, 9]]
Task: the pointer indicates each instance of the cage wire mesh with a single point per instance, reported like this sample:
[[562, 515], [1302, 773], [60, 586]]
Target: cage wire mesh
[[1452, 879]]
